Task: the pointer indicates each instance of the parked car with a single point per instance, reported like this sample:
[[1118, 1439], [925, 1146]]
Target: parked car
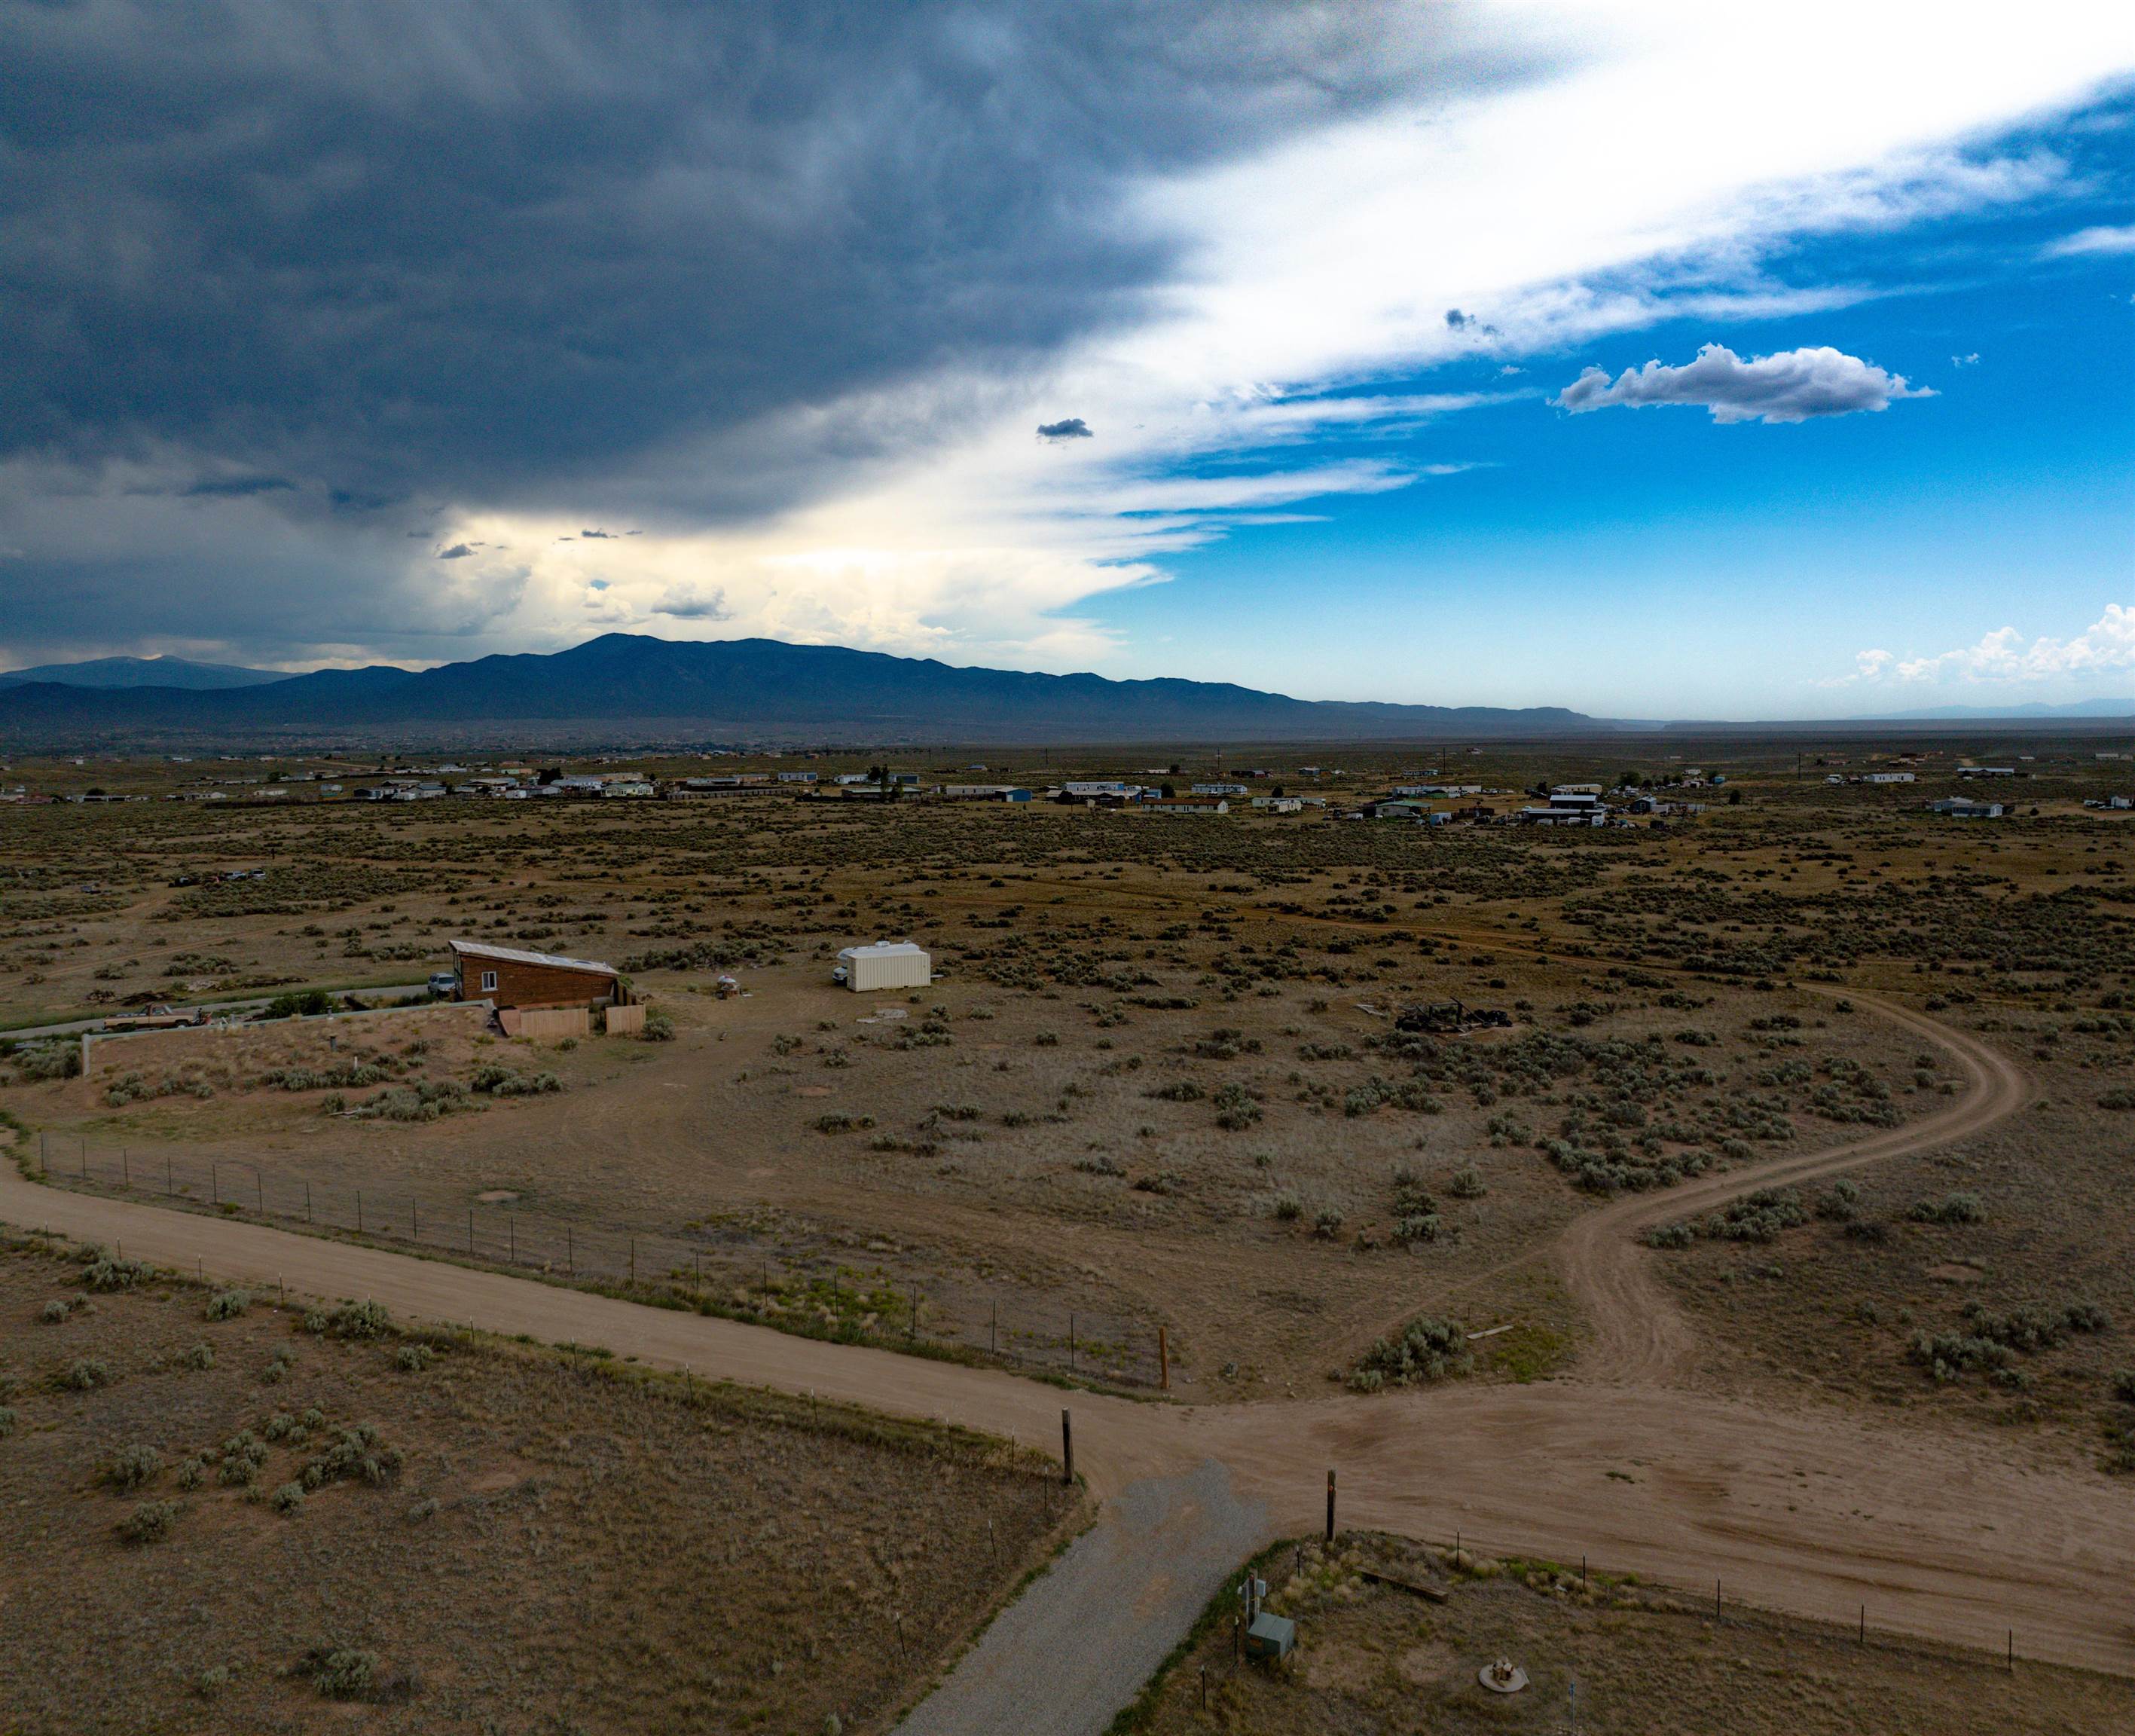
[[444, 985]]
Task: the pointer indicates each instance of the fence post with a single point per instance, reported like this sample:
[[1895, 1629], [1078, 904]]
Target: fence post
[[1068, 1447], [1330, 1507]]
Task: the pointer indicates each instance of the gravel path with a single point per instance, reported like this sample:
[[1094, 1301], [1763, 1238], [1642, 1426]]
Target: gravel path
[[1077, 1646]]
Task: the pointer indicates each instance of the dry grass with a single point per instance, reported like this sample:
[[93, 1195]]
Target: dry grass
[[1371, 1657], [516, 1540], [1162, 1059]]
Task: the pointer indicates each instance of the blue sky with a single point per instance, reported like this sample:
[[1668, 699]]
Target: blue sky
[[1651, 357], [1654, 561]]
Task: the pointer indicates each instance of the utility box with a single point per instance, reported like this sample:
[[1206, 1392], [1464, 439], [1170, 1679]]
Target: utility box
[[886, 964], [1271, 1637]]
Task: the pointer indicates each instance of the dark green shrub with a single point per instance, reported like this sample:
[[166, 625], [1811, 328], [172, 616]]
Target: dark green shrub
[[1953, 1208], [129, 1467], [228, 1304], [365, 1319], [354, 1454], [105, 1272], [150, 1522], [85, 1375], [341, 1672], [1235, 1107], [1423, 1350]]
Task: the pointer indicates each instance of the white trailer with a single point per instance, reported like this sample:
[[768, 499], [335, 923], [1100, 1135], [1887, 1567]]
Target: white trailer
[[885, 964]]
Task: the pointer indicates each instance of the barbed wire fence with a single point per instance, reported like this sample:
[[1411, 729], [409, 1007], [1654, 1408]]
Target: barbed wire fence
[[850, 1300]]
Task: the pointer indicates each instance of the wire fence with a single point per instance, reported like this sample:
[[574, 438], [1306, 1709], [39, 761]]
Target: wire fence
[[1987, 1647], [710, 1271]]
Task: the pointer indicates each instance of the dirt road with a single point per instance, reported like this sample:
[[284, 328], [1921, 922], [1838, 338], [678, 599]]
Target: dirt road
[[1815, 1510], [1639, 1336]]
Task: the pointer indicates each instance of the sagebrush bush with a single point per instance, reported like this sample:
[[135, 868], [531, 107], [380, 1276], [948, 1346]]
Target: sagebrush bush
[[1467, 1183], [356, 1454], [106, 1273], [412, 1359], [288, 1498], [129, 1467], [243, 1455], [1423, 1350], [1953, 1209], [53, 1312], [7, 1421], [228, 1304], [341, 1672], [150, 1522], [200, 1358], [85, 1375], [366, 1319], [658, 1028]]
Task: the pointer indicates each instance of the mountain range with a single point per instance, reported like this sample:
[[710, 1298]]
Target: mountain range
[[2077, 708], [731, 689], [144, 672]]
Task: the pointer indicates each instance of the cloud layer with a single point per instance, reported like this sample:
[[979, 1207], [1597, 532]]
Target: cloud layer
[[362, 331], [1793, 386], [2105, 646]]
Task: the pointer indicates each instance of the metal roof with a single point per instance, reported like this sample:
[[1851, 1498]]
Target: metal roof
[[881, 947], [475, 950]]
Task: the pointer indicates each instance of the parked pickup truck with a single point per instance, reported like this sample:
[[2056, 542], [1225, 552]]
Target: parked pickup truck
[[155, 1018]]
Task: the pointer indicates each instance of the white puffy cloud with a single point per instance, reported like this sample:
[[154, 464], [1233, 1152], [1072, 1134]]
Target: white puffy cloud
[[2006, 655], [1793, 385], [2107, 238]]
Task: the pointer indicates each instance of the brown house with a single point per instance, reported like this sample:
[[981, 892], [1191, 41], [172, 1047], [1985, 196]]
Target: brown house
[[506, 976]]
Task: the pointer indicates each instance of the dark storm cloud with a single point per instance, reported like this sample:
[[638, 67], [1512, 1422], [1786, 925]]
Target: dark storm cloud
[[464, 250], [344, 267], [1072, 427], [236, 487]]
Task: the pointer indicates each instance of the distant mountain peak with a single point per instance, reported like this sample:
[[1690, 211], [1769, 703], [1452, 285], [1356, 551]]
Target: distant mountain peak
[[157, 672], [749, 689]]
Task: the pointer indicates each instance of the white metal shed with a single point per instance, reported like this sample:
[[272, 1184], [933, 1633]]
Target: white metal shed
[[887, 964]]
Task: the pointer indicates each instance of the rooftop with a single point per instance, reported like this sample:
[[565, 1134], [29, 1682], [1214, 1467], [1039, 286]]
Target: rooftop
[[513, 955]]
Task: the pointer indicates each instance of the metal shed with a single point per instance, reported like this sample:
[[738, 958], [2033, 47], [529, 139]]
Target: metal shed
[[886, 964]]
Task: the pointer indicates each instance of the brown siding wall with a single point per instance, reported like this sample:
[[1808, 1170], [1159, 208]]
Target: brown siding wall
[[532, 985]]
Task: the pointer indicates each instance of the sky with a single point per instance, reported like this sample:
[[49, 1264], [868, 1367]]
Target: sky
[[1655, 360]]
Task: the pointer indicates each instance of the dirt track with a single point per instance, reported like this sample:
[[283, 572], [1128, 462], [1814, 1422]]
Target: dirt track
[[1818, 1511]]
